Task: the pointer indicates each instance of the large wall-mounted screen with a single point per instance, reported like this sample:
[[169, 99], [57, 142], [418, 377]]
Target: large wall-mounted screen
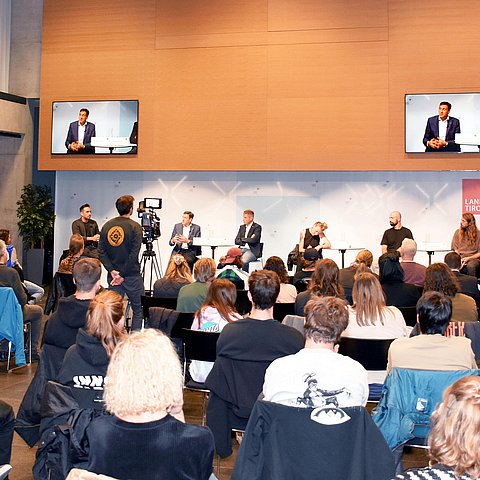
[[95, 127], [442, 123]]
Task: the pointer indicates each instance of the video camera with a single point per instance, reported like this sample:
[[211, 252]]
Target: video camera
[[150, 221]]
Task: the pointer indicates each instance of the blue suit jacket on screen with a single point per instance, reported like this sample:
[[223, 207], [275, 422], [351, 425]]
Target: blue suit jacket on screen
[[431, 131], [72, 136]]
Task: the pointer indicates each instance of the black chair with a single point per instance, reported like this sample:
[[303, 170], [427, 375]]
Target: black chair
[[147, 302], [243, 305], [201, 346], [62, 286], [281, 310], [371, 353], [410, 315], [184, 321]]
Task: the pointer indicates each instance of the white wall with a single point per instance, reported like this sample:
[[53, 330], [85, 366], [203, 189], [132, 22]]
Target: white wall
[[354, 204]]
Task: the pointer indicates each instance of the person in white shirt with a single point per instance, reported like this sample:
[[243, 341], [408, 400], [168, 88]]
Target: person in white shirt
[[318, 375]]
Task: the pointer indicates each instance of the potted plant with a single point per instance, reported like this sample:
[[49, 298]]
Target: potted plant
[[36, 217]]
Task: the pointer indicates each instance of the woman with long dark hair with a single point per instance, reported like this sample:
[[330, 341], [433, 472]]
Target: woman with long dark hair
[[288, 293]]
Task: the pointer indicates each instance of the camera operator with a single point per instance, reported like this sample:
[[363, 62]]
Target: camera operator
[[182, 239], [119, 247]]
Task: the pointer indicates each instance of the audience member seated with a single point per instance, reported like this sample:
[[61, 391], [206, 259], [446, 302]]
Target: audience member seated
[[288, 292], [7, 422], [454, 440], [75, 251], [85, 364], [318, 375], [34, 292], [244, 351], [302, 277], [468, 284], [60, 334], [31, 313], [324, 283], [62, 327], [397, 292], [363, 263], [146, 438], [177, 275], [414, 272], [370, 318], [431, 350], [192, 296], [440, 278], [466, 242], [217, 311], [230, 267]]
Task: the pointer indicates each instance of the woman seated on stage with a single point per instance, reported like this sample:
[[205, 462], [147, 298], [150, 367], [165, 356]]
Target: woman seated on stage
[[440, 278], [397, 292], [323, 283], [89, 357], [145, 437], [370, 318], [217, 311], [314, 237], [454, 439], [177, 275], [288, 292], [75, 251], [230, 267]]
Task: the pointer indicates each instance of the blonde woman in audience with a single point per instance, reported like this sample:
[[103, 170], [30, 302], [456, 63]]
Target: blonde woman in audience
[[145, 437], [217, 311], [454, 440], [75, 251], [177, 275]]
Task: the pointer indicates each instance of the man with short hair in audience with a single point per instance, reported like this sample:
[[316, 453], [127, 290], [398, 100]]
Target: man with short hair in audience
[[414, 272], [318, 375], [62, 328], [31, 313], [244, 351], [468, 283], [431, 350]]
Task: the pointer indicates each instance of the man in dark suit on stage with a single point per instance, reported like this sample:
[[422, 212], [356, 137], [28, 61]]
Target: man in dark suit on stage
[[440, 131], [182, 239], [80, 133], [468, 283], [248, 239]]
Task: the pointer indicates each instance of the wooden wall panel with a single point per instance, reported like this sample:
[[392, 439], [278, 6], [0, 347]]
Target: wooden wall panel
[[326, 14], [260, 84]]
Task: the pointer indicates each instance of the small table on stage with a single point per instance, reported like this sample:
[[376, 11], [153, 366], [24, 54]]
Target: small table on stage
[[112, 142], [430, 249], [213, 243], [343, 249]]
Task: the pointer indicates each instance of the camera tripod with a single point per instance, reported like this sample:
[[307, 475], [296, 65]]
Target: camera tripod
[[149, 256]]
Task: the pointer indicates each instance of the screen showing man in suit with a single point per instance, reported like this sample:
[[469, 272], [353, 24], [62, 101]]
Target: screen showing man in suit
[[440, 131], [80, 134]]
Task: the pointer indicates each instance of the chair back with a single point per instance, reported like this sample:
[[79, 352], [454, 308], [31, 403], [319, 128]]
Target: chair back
[[260, 245], [410, 315], [281, 310], [184, 320], [199, 345], [147, 302], [371, 353], [62, 286]]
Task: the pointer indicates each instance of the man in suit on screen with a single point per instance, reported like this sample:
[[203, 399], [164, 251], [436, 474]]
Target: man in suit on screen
[[80, 133], [440, 131]]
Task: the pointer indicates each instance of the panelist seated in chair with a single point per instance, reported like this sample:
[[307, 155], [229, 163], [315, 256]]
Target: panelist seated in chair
[[177, 275], [318, 375], [146, 438], [454, 440], [31, 313], [248, 239]]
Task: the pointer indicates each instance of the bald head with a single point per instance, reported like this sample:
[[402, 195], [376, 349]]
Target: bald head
[[408, 249], [395, 219]]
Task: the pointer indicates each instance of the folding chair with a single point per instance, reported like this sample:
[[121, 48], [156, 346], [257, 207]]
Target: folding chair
[[281, 310]]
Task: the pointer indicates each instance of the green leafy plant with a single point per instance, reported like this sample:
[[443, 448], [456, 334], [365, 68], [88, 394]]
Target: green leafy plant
[[35, 215]]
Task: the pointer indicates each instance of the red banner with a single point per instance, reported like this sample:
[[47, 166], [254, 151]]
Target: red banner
[[471, 196]]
